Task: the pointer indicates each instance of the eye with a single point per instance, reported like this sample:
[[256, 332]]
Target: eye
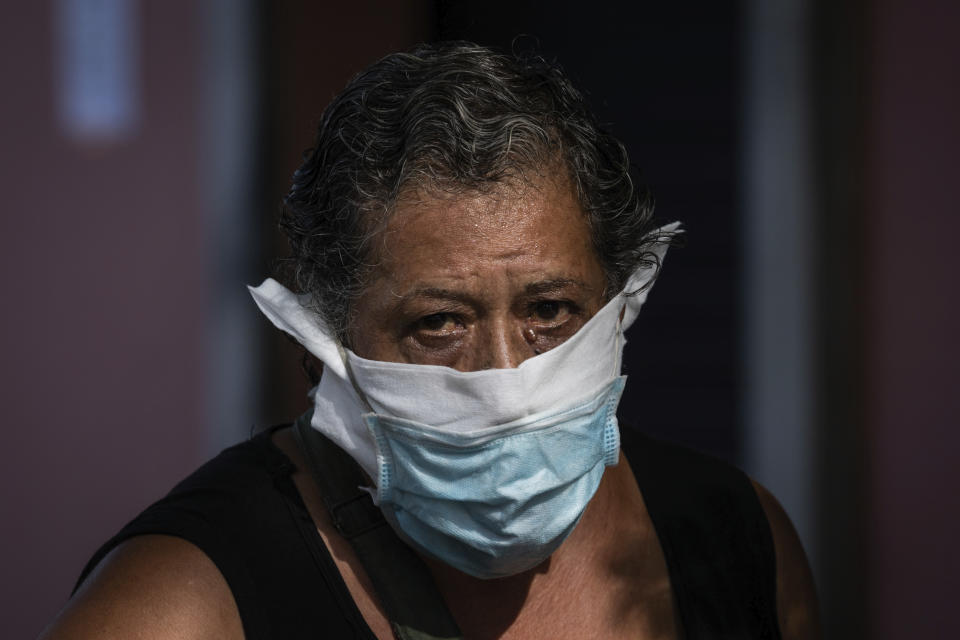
[[438, 323], [547, 310], [551, 312]]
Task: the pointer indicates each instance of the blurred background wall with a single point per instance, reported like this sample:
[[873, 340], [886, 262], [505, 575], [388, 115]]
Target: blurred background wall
[[805, 331]]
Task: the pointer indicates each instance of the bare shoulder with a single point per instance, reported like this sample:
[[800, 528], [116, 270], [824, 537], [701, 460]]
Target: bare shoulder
[[797, 609], [151, 587]]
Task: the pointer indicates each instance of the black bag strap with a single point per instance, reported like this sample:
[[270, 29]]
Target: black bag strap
[[402, 581]]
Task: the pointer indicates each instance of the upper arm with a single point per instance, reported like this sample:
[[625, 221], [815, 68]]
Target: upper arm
[[797, 610], [153, 587]]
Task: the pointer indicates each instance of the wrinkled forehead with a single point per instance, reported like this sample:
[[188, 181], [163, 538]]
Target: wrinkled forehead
[[531, 216]]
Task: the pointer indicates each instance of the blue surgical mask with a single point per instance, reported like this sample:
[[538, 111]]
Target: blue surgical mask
[[498, 503]]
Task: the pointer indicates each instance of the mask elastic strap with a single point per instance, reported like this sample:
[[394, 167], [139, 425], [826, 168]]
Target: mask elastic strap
[[353, 380], [619, 342]]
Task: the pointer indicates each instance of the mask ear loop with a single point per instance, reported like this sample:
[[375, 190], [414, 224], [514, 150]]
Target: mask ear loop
[[618, 361], [353, 380]]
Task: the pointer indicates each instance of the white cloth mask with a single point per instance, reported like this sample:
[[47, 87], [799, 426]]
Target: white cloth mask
[[470, 404]]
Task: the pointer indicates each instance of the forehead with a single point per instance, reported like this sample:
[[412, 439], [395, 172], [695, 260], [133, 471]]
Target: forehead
[[517, 227]]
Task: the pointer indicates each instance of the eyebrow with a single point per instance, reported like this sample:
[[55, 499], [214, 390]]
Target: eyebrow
[[539, 288], [555, 285], [436, 293]]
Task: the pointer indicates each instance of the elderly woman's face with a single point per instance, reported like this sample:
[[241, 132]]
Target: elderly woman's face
[[480, 281]]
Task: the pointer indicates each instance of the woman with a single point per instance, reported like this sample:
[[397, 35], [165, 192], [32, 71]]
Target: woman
[[469, 248]]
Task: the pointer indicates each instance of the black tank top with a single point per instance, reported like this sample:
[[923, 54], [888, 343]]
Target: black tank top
[[243, 510]]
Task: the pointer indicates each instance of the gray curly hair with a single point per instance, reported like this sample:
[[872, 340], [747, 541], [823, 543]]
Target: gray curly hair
[[458, 117]]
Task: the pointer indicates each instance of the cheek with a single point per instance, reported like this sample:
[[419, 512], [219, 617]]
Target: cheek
[[367, 344], [366, 337], [457, 355]]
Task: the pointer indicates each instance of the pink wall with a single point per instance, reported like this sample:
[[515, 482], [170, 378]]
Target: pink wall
[[913, 375], [101, 365]]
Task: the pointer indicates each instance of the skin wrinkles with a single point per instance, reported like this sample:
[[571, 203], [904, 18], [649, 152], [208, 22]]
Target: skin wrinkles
[[476, 281]]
